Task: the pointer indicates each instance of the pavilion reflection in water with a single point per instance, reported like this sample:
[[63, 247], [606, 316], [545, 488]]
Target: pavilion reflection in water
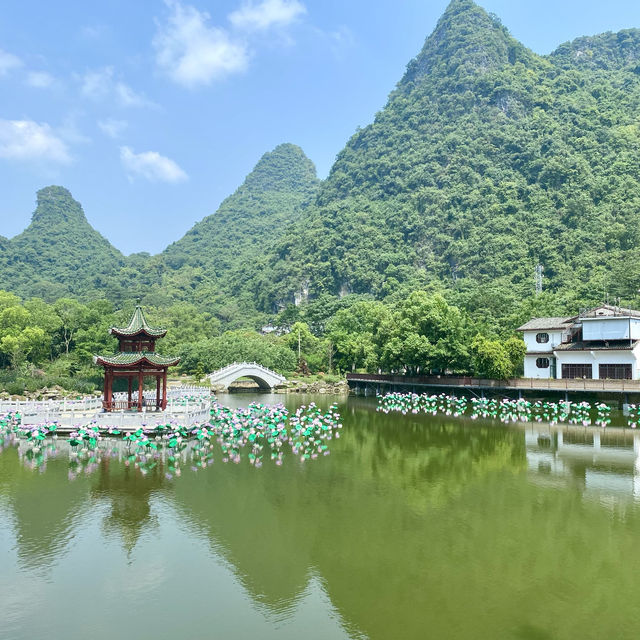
[[603, 463]]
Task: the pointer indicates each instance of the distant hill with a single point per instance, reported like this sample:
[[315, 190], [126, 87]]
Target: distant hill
[[59, 253], [486, 161], [221, 255]]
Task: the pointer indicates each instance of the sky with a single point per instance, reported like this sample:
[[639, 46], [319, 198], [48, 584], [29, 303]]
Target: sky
[[152, 112]]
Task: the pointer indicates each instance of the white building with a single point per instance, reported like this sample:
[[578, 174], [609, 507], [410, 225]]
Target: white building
[[601, 343]]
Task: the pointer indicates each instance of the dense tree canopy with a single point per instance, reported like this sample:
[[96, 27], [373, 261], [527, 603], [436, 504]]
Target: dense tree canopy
[[42, 343]]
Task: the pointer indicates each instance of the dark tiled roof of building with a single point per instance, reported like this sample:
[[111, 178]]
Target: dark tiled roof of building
[[137, 357], [598, 345], [138, 324], [547, 324]]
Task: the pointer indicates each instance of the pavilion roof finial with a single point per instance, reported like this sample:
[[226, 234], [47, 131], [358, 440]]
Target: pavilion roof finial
[[138, 324]]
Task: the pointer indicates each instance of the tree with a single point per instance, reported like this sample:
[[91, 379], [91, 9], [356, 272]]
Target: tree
[[516, 349], [425, 333], [237, 346], [306, 346], [496, 359], [30, 343], [72, 316], [353, 333]]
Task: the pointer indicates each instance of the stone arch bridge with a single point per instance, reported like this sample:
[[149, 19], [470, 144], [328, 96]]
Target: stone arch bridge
[[265, 378]]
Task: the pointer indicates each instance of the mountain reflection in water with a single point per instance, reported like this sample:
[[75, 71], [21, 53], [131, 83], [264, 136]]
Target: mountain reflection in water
[[413, 527]]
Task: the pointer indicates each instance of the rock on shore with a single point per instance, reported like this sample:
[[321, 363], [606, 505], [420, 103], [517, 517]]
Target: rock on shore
[[320, 386]]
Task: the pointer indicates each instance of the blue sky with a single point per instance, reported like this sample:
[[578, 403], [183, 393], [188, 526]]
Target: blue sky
[[152, 112]]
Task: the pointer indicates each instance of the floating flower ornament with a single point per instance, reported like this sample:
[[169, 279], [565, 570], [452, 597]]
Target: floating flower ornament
[[256, 433], [505, 410]]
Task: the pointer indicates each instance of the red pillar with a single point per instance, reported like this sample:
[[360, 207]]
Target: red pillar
[[164, 389], [105, 400], [140, 396], [130, 380], [110, 397], [158, 391]]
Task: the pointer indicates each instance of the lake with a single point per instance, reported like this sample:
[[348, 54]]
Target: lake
[[412, 527]]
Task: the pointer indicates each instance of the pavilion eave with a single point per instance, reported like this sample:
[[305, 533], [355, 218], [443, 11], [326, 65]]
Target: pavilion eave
[[136, 360]]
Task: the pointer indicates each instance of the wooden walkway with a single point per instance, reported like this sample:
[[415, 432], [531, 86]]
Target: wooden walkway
[[512, 384]]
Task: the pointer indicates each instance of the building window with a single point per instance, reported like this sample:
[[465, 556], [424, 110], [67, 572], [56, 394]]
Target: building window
[[577, 371], [542, 338], [615, 371], [542, 363]]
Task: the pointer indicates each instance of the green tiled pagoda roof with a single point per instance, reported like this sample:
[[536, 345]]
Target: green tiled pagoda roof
[[138, 324], [137, 357]]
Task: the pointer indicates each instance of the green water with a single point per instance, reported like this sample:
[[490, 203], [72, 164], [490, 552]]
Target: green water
[[413, 527]]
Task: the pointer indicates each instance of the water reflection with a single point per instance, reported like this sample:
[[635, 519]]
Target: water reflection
[[128, 493], [601, 464], [44, 507], [413, 527]]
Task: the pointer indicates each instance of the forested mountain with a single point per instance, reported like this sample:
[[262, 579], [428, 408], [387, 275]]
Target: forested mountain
[[486, 161], [221, 255], [59, 253]]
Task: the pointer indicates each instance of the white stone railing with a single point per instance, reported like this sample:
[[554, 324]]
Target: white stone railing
[[220, 373], [30, 407], [175, 392], [185, 401]]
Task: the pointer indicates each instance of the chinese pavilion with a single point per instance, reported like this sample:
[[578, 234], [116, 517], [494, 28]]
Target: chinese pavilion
[[136, 360]]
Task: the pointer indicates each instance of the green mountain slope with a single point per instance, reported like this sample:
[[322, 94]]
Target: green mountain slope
[[486, 161], [220, 255], [59, 253], [267, 200]]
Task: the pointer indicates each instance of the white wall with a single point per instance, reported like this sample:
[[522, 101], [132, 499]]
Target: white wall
[[595, 358], [555, 338], [532, 371], [610, 328]]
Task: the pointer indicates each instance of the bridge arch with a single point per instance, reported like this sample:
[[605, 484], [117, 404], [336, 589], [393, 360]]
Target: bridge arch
[[264, 377], [261, 382]]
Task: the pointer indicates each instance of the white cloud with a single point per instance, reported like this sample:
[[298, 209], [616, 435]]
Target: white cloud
[[8, 62], [339, 41], [151, 165], [193, 52], [93, 32], [266, 14], [127, 97], [112, 127], [39, 79], [96, 85], [29, 140], [102, 84]]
